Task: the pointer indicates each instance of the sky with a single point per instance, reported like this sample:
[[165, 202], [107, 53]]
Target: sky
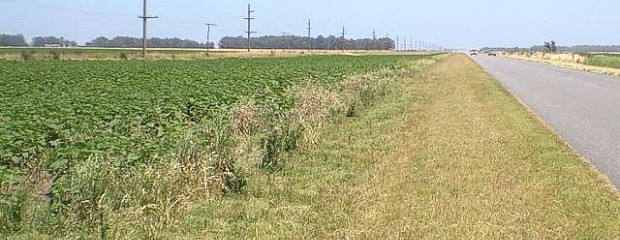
[[449, 23]]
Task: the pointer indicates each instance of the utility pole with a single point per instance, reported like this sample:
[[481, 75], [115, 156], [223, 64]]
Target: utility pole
[[145, 18], [374, 39], [249, 32], [397, 43], [405, 44], [209, 25], [343, 39], [309, 36]]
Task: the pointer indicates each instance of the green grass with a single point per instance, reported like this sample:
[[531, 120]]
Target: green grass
[[67, 111], [603, 60], [436, 149], [447, 154], [86, 146]]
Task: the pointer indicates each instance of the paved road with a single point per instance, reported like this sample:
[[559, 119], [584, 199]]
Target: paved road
[[584, 108]]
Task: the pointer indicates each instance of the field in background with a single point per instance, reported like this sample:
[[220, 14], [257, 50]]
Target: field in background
[[603, 60], [605, 63], [29, 54]]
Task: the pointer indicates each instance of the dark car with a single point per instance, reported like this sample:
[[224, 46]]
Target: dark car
[[473, 52]]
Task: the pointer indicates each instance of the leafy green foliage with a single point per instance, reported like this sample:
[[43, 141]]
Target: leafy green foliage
[[11, 200], [87, 141], [57, 113]]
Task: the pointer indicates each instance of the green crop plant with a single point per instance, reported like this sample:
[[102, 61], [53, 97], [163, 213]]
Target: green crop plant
[[112, 135]]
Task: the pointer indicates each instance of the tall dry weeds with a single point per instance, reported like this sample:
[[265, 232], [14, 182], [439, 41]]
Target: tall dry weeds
[[212, 160]]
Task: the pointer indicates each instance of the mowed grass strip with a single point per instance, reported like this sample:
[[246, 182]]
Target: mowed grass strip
[[448, 154]]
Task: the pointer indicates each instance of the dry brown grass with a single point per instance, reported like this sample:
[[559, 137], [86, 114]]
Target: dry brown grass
[[244, 118], [447, 154], [567, 60], [314, 107]]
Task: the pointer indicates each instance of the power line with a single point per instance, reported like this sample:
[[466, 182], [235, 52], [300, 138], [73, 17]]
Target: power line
[[123, 15], [249, 32], [311, 29], [49, 7], [145, 18]]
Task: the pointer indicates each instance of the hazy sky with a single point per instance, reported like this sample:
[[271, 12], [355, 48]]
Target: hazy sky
[[451, 23]]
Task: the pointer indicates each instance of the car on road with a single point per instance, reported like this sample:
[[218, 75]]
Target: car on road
[[492, 53], [473, 52]]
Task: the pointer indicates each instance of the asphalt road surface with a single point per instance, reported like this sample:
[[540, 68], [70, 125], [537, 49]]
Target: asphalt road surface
[[584, 108]]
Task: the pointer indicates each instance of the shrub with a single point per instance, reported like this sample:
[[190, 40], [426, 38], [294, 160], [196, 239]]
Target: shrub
[[55, 54], [278, 141], [26, 55], [351, 110], [13, 199], [123, 55]]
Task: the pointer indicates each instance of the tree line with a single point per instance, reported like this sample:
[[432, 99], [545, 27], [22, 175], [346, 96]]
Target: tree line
[[131, 42], [263, 42], [20, 41], [12, 40], [121, 42], [298, 42]]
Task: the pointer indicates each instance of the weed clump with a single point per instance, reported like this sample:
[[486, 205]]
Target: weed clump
[[123, 56], [55, 54], [277, 142], [26, 55]]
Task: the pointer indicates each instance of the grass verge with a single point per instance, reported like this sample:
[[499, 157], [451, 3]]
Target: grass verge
[[448, 153], [595, 63]]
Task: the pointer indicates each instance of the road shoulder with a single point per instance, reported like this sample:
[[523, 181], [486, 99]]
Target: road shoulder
[[447, 154]]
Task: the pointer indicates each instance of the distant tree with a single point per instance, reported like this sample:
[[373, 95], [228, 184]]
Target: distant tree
[[99, 42], [12, 40], [299, 42], [550, 47], [42, 41], [553, 47], [151, 42], [547, 47]]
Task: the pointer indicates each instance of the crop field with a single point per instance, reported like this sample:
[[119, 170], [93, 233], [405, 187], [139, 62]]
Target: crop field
[[61, 122], [60, 112], [603, 60]]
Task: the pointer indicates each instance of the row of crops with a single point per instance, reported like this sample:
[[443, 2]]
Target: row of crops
[[54, 114]]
